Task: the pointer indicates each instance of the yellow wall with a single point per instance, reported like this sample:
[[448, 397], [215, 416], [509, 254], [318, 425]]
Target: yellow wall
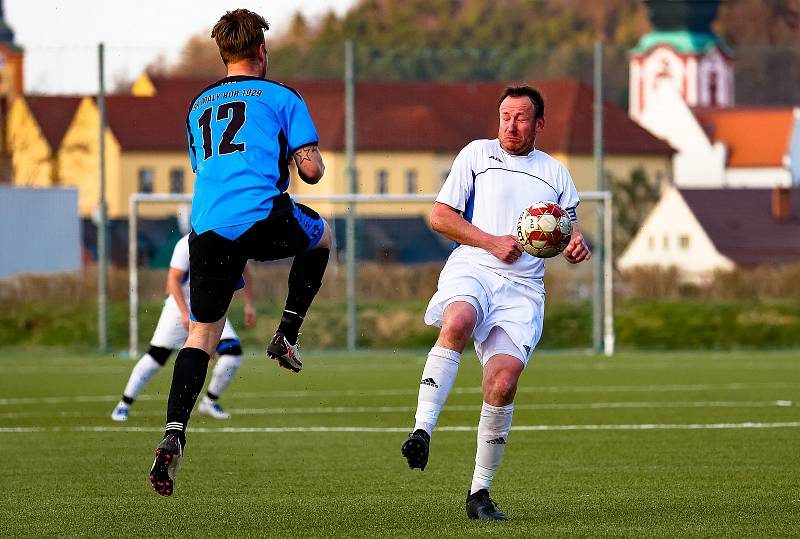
[[430, 168], [161, 163], [79, 164], [619, 166], [32, 159]]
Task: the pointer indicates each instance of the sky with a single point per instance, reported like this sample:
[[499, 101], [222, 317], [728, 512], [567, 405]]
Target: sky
[[60, 37]]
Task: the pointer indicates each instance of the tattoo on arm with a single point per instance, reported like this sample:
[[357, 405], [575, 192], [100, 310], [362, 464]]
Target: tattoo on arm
[[304, 153]]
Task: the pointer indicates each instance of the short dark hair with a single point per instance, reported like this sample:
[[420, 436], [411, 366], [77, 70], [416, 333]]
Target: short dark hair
[[525, 91], [239, 34]]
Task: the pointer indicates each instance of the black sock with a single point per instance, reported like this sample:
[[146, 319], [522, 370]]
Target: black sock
[[305, 278], [290, 325], [188, 378], [212, 396], [127, 400]]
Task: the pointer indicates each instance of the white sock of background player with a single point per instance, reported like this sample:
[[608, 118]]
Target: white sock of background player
[[144, 369], [223, 374]]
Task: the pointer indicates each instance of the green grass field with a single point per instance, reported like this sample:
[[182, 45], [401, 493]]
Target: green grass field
[[647, 444]]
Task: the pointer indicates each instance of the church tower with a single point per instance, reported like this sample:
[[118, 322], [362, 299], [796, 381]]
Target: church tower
[[683, 51], [11, 62]]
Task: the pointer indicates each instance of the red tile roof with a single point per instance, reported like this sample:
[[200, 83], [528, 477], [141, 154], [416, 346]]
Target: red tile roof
[[402, 116], [740, 224], [53, 114], [149, 123], [755, 137]]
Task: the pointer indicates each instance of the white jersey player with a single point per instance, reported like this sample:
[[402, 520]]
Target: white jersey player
[[490, 289], [171, 333]]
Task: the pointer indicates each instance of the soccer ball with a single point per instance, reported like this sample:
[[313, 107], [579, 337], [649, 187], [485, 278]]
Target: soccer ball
[[544, 229]]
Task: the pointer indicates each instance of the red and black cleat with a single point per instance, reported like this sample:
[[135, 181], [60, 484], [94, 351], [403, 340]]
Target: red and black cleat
[[166, 465]]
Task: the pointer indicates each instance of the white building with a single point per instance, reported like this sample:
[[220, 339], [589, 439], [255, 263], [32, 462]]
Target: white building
[[700, 231]]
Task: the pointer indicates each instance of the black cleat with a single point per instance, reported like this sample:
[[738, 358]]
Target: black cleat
[[166, 464], [415, 449], [481, 506], [285, 353]]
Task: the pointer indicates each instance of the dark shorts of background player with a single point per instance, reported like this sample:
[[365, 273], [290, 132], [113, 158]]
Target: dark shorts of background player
[[216, 263]]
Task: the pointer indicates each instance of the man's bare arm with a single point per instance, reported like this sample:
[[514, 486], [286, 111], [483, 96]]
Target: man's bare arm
[[451, 224], [309, 163], [175, 289]]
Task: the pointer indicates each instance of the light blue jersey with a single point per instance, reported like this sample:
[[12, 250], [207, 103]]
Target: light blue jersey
[[242, 132]]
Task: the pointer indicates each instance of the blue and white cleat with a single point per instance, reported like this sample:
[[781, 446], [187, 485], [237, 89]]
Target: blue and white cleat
[[120, 413], [212, 409]]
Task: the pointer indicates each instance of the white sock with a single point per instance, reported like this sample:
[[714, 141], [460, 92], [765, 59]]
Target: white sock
[[144, 369], [223, 373], [492, 437], [438, 377]]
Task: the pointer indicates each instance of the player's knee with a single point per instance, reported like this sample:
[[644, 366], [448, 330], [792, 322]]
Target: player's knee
[[502, 387], [457, 331], [458, 324], [159, 354]]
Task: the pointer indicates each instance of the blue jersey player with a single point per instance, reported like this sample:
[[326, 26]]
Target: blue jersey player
[[243, 131]]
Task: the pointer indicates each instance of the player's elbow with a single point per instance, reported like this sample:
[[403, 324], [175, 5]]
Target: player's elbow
[[436, 222], [312, 174], [439, 217]]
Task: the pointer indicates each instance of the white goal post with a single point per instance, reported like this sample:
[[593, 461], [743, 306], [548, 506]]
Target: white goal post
[[603, 198]]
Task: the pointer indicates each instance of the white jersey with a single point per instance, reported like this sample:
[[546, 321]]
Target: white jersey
[[180, 261], [492, 188]]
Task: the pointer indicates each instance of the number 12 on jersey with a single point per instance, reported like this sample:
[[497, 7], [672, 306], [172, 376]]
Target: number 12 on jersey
[[236, 114]]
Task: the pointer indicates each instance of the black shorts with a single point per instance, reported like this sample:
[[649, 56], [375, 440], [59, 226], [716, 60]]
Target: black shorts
[[216, 263]]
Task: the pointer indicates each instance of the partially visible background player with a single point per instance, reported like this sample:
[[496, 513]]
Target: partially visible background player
[[243, 130], [171, 333]]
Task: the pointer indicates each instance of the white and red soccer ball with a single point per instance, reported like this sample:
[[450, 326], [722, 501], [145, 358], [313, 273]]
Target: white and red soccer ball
[[544, 229]]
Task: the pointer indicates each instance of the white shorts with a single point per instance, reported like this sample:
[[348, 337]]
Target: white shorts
[[510, 315], [170, 332]]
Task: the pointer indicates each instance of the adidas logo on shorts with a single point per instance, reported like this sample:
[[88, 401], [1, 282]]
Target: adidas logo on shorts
[[497, 441], [429, 382]]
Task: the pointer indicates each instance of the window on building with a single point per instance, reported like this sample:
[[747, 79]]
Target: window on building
[[683, 241], [176, 180], [382, 182], [665, 242], [145, 180], [411, 181], [651, 242]]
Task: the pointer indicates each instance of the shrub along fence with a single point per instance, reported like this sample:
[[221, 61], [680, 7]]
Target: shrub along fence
[[745, 309]]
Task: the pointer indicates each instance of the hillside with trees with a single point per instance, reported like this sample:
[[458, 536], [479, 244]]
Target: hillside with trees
[[458, 40]]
